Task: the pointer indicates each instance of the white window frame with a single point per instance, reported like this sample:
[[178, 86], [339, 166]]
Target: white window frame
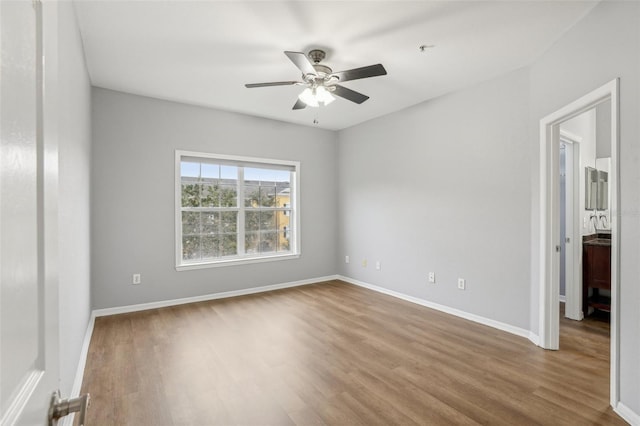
[[241, 258]]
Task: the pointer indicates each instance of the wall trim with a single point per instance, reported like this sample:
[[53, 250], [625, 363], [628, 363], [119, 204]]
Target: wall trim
[[447, 310], [627, 414], [534, 338], [563, 299], [82, 362], [205, 297]]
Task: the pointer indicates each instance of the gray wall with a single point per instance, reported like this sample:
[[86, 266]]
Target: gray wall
[[601, 47], [452, 185], [74, 129], [444, 186], [135, 139]]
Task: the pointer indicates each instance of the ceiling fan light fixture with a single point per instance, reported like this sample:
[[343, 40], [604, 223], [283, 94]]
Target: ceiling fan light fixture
[[323, 96], [308, 97], [317, 96]]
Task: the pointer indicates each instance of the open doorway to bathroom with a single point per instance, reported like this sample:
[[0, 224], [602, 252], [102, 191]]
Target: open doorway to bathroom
[[593, 222], [584, 213], [585, 244]]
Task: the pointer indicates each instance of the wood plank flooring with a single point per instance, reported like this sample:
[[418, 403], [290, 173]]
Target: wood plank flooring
[[336, 354]]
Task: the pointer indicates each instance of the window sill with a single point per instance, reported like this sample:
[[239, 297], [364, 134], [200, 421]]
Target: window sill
[[235, 262]]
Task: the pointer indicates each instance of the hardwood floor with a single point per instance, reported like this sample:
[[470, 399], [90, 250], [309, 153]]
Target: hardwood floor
[[333, 353], [588, 337]]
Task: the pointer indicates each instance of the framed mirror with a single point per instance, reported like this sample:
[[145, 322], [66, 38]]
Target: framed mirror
[[602, 199], [591, 188], [596, 189]]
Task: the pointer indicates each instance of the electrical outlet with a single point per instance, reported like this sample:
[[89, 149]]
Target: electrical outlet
[[432, 277], [137, 279], [364, 263], [346, 259], [378, 265], [462, 284]]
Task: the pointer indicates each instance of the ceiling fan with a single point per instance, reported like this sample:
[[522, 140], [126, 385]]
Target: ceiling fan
[[321, 82]]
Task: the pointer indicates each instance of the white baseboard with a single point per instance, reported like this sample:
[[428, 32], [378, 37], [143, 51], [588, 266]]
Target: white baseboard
[[534, 338], [82, 362], [627, 414], [212, 296], [446, 309], [77, 383]]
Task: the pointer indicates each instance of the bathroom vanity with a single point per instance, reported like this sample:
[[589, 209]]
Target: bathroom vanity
[[596, 272]]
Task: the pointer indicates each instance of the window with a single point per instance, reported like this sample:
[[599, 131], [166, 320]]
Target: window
[[232, 210]]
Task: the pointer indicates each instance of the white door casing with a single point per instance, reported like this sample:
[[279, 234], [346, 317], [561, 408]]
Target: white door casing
[[548, 326], [28, 212]]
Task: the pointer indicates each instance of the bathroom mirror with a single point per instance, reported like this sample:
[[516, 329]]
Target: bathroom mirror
[[591, 188], [602, 199], [596, 189]]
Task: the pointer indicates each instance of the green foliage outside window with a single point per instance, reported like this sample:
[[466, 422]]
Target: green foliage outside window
[[209, 234]]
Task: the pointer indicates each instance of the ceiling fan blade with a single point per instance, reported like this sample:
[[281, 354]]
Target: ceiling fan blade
[[299, 105], [364, 72], [349, 94], [301, 61], [275, 83]]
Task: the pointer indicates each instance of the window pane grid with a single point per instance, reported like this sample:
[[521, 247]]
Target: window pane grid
[[215, 225], [209, 209]]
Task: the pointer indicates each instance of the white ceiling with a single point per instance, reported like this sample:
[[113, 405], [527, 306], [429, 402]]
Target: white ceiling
[[204, 52]]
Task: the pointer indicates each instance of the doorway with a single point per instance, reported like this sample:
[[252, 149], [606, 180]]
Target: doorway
[[549, 238]]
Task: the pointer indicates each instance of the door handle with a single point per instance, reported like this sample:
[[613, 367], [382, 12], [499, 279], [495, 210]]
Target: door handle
[[62, 407]]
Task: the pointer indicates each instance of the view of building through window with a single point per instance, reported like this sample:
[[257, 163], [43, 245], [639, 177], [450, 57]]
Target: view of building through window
[[234, 211]]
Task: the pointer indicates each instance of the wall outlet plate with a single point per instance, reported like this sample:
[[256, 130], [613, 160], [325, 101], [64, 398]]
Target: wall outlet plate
[[378, 265], [136, 279], [432, 277], [346, 259], [462, 284]]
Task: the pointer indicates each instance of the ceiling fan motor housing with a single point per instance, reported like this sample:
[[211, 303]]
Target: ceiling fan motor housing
[[317, 55], [322, 69]]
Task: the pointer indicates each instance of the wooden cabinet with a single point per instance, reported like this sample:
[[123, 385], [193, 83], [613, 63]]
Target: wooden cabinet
[[596, 273]]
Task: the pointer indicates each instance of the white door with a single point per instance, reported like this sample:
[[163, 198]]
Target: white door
[[28, 223], [569, 242], [564, 255]]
